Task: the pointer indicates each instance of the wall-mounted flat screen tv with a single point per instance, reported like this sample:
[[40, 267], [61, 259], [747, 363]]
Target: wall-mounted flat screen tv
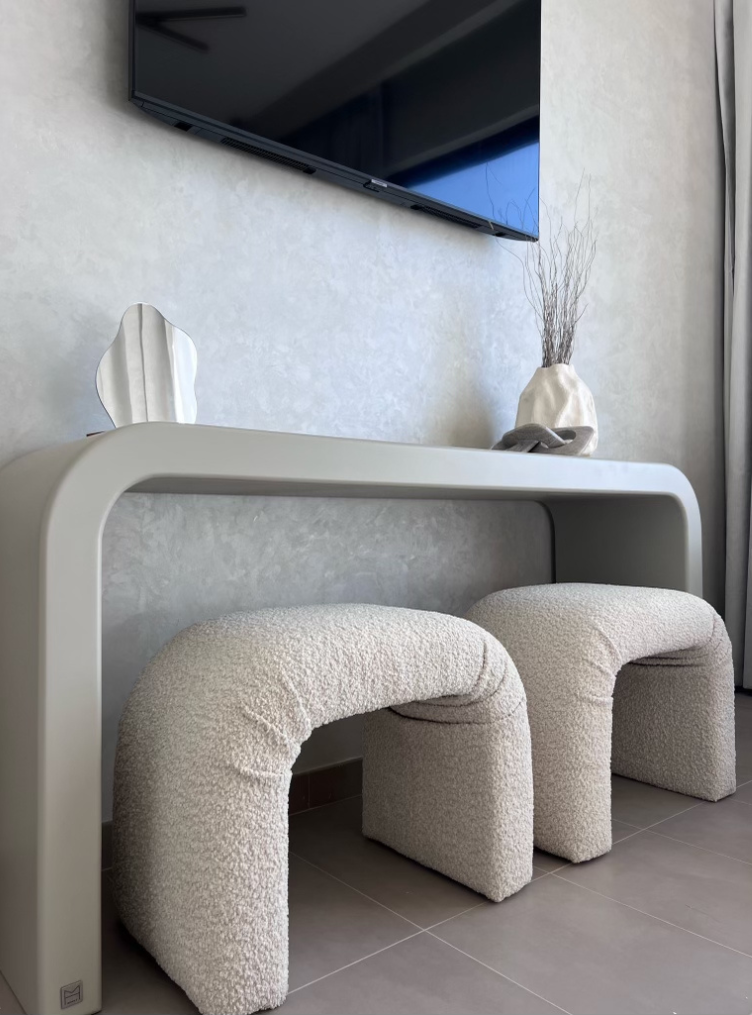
[[429, 104]]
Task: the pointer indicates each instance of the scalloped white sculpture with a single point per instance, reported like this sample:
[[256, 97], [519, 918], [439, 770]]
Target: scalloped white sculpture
[[149, 372]]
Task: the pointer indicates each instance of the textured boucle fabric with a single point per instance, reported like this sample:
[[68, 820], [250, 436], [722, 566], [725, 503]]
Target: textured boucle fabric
[[205, 748], [471, 818], [653, 664]]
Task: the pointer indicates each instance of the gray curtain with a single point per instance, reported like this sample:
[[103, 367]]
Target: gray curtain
[[733, 38]]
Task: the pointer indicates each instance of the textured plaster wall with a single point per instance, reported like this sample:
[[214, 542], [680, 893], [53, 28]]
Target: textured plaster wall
[[318, 310]]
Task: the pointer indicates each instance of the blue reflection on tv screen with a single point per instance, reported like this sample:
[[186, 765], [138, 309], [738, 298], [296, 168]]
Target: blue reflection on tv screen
[[504, 188]]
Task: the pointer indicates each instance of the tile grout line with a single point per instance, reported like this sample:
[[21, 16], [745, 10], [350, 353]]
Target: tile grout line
[[420, 930], [571, 863], [359, 892], [542, 873], [356, 962], [429, 930], [567, 863], [652, 916], [668, 818], [624, 838], [673, 838], [713, 852], [441, 923], [370, 898], [647, 828], [329, 803], [496, 971]]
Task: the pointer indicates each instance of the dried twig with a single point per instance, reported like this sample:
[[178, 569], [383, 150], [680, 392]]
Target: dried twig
[[555, 275]]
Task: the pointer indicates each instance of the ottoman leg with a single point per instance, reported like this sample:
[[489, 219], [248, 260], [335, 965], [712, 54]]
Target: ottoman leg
[[674, 721], [456, 797], [205, 890], [572, 776]]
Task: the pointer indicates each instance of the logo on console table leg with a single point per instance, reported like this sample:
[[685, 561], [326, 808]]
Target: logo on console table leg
[[72, 994]]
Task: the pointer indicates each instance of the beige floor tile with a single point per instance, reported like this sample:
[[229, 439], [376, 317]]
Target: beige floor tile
[[330, 837], [620, 830], [332, 925], [589, 954], [421, 976], [547, 861], [699, 891], [724, 827], [744, 793], [637, 803]]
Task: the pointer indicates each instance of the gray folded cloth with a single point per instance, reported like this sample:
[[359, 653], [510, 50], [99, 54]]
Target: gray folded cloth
[[539, 439]]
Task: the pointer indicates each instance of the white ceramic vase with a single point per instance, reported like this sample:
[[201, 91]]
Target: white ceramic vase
[[556, 397]]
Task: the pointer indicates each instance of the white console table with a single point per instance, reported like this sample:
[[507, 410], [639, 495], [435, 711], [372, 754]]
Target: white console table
[[617, 522]]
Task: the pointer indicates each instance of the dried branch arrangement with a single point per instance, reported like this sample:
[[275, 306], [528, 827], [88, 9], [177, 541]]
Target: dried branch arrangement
[[556, 274]]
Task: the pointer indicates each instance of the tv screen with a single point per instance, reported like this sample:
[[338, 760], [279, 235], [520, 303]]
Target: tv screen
[[430, 104]]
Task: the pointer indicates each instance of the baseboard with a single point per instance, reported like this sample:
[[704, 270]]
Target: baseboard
[[307, 790], [326, 785]]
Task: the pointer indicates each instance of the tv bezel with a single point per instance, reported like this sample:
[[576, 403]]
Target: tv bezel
[[300, 161]]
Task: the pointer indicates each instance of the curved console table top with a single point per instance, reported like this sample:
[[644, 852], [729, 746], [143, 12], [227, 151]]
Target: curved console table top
[[177, 458], [616, 522]]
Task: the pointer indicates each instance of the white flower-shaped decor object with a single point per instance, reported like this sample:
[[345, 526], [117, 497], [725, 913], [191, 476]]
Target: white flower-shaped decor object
[[149, 371]]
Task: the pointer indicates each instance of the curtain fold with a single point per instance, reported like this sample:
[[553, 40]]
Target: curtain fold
[[733, 40]]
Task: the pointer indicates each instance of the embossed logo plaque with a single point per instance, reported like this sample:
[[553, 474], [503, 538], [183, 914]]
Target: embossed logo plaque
[[72, 994]]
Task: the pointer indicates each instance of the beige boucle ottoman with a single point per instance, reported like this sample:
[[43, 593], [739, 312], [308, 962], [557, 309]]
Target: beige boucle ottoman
[[654, 665], [206, 744]]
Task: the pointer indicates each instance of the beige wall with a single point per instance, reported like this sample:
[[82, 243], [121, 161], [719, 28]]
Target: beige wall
[[629, 96], [318, 310]]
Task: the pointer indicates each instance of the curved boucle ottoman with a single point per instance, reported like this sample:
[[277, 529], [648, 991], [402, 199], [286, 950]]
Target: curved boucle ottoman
[[202, 774], [662, 657]]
